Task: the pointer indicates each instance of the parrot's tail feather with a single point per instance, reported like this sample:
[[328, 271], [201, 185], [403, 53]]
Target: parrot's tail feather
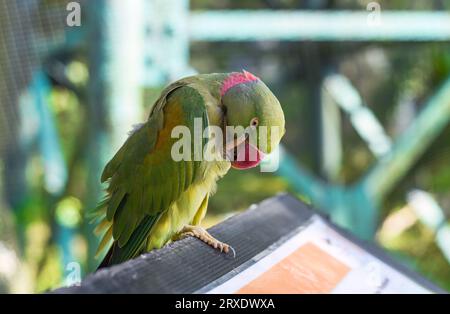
[[103, 225], [134, 245], [106, 241], [107, 258], [96, 214]]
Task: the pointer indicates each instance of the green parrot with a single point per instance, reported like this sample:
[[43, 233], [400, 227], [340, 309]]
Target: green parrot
[[151, 198]]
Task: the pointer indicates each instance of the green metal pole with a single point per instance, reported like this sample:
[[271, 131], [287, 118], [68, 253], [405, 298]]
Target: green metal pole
[[409, 146], [302, 181], [166, 49], [255, 25]]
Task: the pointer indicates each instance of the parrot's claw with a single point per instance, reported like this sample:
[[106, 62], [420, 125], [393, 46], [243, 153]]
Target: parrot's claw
[[203, 235]]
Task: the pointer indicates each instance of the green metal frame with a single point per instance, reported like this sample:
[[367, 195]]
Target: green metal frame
[[246, 25], [357, 206]]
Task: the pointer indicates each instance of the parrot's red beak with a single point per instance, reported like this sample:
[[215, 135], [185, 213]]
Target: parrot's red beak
[[246, 156]]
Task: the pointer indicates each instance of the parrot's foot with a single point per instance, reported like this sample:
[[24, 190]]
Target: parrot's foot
[[203, 235]]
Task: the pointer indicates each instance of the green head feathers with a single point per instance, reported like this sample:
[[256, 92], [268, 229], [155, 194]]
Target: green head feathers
[[250, 103]]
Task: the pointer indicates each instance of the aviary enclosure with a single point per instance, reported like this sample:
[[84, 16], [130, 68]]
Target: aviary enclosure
[[367, 116]]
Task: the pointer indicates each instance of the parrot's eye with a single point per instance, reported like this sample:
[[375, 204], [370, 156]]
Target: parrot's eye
[[254, 122]]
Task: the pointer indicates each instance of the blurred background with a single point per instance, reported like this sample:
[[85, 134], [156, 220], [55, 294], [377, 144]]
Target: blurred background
[[364, 86]]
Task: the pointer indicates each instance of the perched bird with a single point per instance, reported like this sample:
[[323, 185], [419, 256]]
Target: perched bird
[[151, 197]]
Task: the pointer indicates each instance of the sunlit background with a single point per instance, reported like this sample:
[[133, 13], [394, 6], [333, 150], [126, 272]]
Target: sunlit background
[[364, 86]]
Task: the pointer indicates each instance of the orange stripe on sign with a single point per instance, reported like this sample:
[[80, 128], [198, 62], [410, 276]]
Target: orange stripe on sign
[[307, 270]]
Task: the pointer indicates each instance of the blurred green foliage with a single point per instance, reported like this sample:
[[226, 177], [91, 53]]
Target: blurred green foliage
[[385, 74]]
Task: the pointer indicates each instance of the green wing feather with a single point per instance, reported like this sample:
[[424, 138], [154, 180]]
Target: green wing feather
[[143, 178]]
